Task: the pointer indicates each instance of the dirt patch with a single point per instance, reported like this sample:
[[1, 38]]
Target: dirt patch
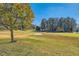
[[21, 36], [38, 34], [16, 36]]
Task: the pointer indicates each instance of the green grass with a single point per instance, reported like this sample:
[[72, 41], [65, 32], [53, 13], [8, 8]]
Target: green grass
[[33, 44]]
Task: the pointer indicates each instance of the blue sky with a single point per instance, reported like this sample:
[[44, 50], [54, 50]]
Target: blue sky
[[46, 10]]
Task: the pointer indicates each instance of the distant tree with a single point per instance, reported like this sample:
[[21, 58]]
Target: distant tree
[[67, 26], [33, 26], [60, 25], [52, 24], [49, 24], [37, 28], [73, 24], [43, 24], [77, 28], [70, 24]]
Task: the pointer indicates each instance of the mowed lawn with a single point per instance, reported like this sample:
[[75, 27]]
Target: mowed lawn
[[31, 43]]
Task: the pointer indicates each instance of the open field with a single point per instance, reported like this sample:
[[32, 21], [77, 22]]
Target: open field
[[31, 43]]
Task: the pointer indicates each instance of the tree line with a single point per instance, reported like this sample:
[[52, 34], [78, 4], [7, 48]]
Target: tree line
[[62, 24]]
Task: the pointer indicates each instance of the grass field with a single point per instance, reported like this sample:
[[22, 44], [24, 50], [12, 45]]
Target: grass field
[[31, 43]]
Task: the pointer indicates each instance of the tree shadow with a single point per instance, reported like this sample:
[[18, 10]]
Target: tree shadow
[[5, 41]]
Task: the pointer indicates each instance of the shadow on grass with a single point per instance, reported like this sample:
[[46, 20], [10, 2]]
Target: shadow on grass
[[8, 41], [2, 43], [5, 41]]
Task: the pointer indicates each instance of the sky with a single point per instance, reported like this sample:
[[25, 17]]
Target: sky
[[47, 10]]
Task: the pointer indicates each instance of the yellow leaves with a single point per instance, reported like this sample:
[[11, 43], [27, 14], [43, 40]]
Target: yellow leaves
[[20, 11], [18, 6]]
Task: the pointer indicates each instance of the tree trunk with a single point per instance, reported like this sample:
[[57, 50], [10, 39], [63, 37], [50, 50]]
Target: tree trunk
[[11, 31], [12, 36]]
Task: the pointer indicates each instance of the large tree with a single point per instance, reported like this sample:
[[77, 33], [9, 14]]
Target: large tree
[[11, 13]]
